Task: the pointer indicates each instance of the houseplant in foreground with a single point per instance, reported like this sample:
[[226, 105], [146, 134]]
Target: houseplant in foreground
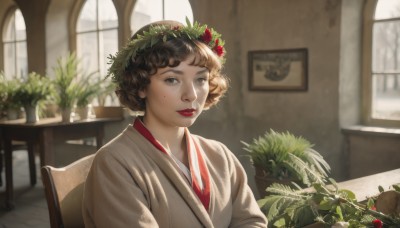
[[329, 206], [285, 158]]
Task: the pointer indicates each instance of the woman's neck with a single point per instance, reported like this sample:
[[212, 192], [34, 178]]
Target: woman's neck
[[171, 138]]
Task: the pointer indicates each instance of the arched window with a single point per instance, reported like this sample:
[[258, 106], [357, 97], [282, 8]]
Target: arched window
[[15, 51], [97, 35], [382, 55], [147, 11]]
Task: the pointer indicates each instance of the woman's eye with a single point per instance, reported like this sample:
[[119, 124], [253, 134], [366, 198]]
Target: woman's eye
[[171, 80], [202, 80]]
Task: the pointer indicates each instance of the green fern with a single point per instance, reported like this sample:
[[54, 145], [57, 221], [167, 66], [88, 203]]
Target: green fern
[[295, 207], [286, 206], [65, 75], [34, 89], [88, 88], [283, 155], [8, 90], [72, 85]]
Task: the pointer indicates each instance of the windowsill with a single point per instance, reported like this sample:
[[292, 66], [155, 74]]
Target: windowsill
[[369, 130]]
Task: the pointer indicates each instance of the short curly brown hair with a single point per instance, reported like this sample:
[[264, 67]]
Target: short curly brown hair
[[169, 54]]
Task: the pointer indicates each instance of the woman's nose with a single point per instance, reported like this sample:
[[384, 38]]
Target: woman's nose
[[189, 92]]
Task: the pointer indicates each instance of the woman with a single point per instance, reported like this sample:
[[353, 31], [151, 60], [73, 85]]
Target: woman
[[155, 173]]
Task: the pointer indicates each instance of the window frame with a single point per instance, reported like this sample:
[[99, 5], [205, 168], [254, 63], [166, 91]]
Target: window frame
[[163, 14], [14, 42], [97, 32], [367, 79]]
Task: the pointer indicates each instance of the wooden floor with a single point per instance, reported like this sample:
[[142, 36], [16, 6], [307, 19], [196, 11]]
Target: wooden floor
[[30, 203]]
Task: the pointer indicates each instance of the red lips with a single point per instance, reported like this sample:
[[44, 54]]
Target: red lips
[[187, 112]]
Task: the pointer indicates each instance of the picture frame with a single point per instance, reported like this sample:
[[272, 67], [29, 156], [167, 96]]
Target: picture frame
[[278, 70]]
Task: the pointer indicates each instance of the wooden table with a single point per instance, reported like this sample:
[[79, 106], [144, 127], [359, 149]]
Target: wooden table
[[366, 187], [42, 136]]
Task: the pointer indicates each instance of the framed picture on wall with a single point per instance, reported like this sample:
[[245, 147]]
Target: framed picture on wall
[[278, 70]]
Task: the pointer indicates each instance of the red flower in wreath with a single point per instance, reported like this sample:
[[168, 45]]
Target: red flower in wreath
[[218, 48], [207, 36], [377, 223]]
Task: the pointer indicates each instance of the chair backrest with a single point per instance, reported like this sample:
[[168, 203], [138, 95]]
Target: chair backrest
[[64, 192]]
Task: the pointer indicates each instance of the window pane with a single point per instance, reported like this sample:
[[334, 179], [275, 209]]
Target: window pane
[[20, 26], [15, 52], [110, 46], [387, 9], [386, 96], [9, 30], [88, 53], [87, 18], [144, 12], [178, 10], [9, 60], [386, 47], [22, 60], [107, 14]]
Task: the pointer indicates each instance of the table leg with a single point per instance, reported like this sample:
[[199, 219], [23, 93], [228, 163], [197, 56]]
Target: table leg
[[99, 135], [1, 165], [46, 149], [9, 176], [1, 157], [32, 166]]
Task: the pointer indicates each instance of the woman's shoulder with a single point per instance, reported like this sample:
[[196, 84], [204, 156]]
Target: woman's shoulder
[[211, 143], [121, 146], [213, 148]]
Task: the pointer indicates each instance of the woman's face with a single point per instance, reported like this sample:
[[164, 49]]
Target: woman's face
[[176, 96]]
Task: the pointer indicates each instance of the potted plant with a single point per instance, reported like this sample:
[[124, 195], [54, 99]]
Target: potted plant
[[34, 89], [66, 88], [285, 158], [87, 91], [107, 91], [105, 97], [8, 101]]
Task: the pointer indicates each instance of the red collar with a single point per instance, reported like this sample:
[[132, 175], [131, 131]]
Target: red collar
[[200, 177]]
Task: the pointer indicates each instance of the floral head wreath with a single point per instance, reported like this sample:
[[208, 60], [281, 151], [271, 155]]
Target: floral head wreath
[[162, 33]]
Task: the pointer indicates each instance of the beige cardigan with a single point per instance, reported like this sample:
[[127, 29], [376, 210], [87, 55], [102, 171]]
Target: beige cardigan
[[132, 184]]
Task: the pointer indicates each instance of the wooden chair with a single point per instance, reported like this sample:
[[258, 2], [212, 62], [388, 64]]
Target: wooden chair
[[64, 192]]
